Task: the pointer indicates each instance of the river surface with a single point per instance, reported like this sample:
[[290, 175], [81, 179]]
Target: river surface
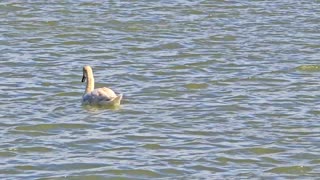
[[212, 89]]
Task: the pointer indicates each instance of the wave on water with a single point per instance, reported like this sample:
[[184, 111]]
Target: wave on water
[[309, 68]]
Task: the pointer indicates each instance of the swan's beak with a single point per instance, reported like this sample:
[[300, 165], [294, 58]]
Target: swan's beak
[[83, 78]]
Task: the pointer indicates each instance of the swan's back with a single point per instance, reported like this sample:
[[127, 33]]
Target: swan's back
[[101, 96], [107, 92]]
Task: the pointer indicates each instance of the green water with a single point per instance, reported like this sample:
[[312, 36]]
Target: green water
[[212, 89]]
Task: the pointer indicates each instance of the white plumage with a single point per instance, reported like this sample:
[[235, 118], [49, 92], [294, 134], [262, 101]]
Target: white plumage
[[99, 96]]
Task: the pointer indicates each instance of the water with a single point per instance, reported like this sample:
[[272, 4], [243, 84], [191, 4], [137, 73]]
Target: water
[[212, 89]]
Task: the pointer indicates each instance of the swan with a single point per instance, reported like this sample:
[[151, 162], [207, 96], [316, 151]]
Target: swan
[[99, 96]]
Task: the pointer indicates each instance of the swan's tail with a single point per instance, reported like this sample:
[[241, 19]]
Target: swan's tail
[[117, 100]]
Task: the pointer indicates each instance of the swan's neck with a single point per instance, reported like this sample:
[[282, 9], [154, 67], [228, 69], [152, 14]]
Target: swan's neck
[[90, 82]]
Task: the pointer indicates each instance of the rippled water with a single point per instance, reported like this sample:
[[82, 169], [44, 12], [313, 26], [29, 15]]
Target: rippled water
[[212, 89]]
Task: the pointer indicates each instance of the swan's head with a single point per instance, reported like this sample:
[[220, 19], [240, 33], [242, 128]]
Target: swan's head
[[86, 70]]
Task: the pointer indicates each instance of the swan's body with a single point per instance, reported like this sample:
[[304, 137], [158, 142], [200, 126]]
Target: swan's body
[[99, 96]]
